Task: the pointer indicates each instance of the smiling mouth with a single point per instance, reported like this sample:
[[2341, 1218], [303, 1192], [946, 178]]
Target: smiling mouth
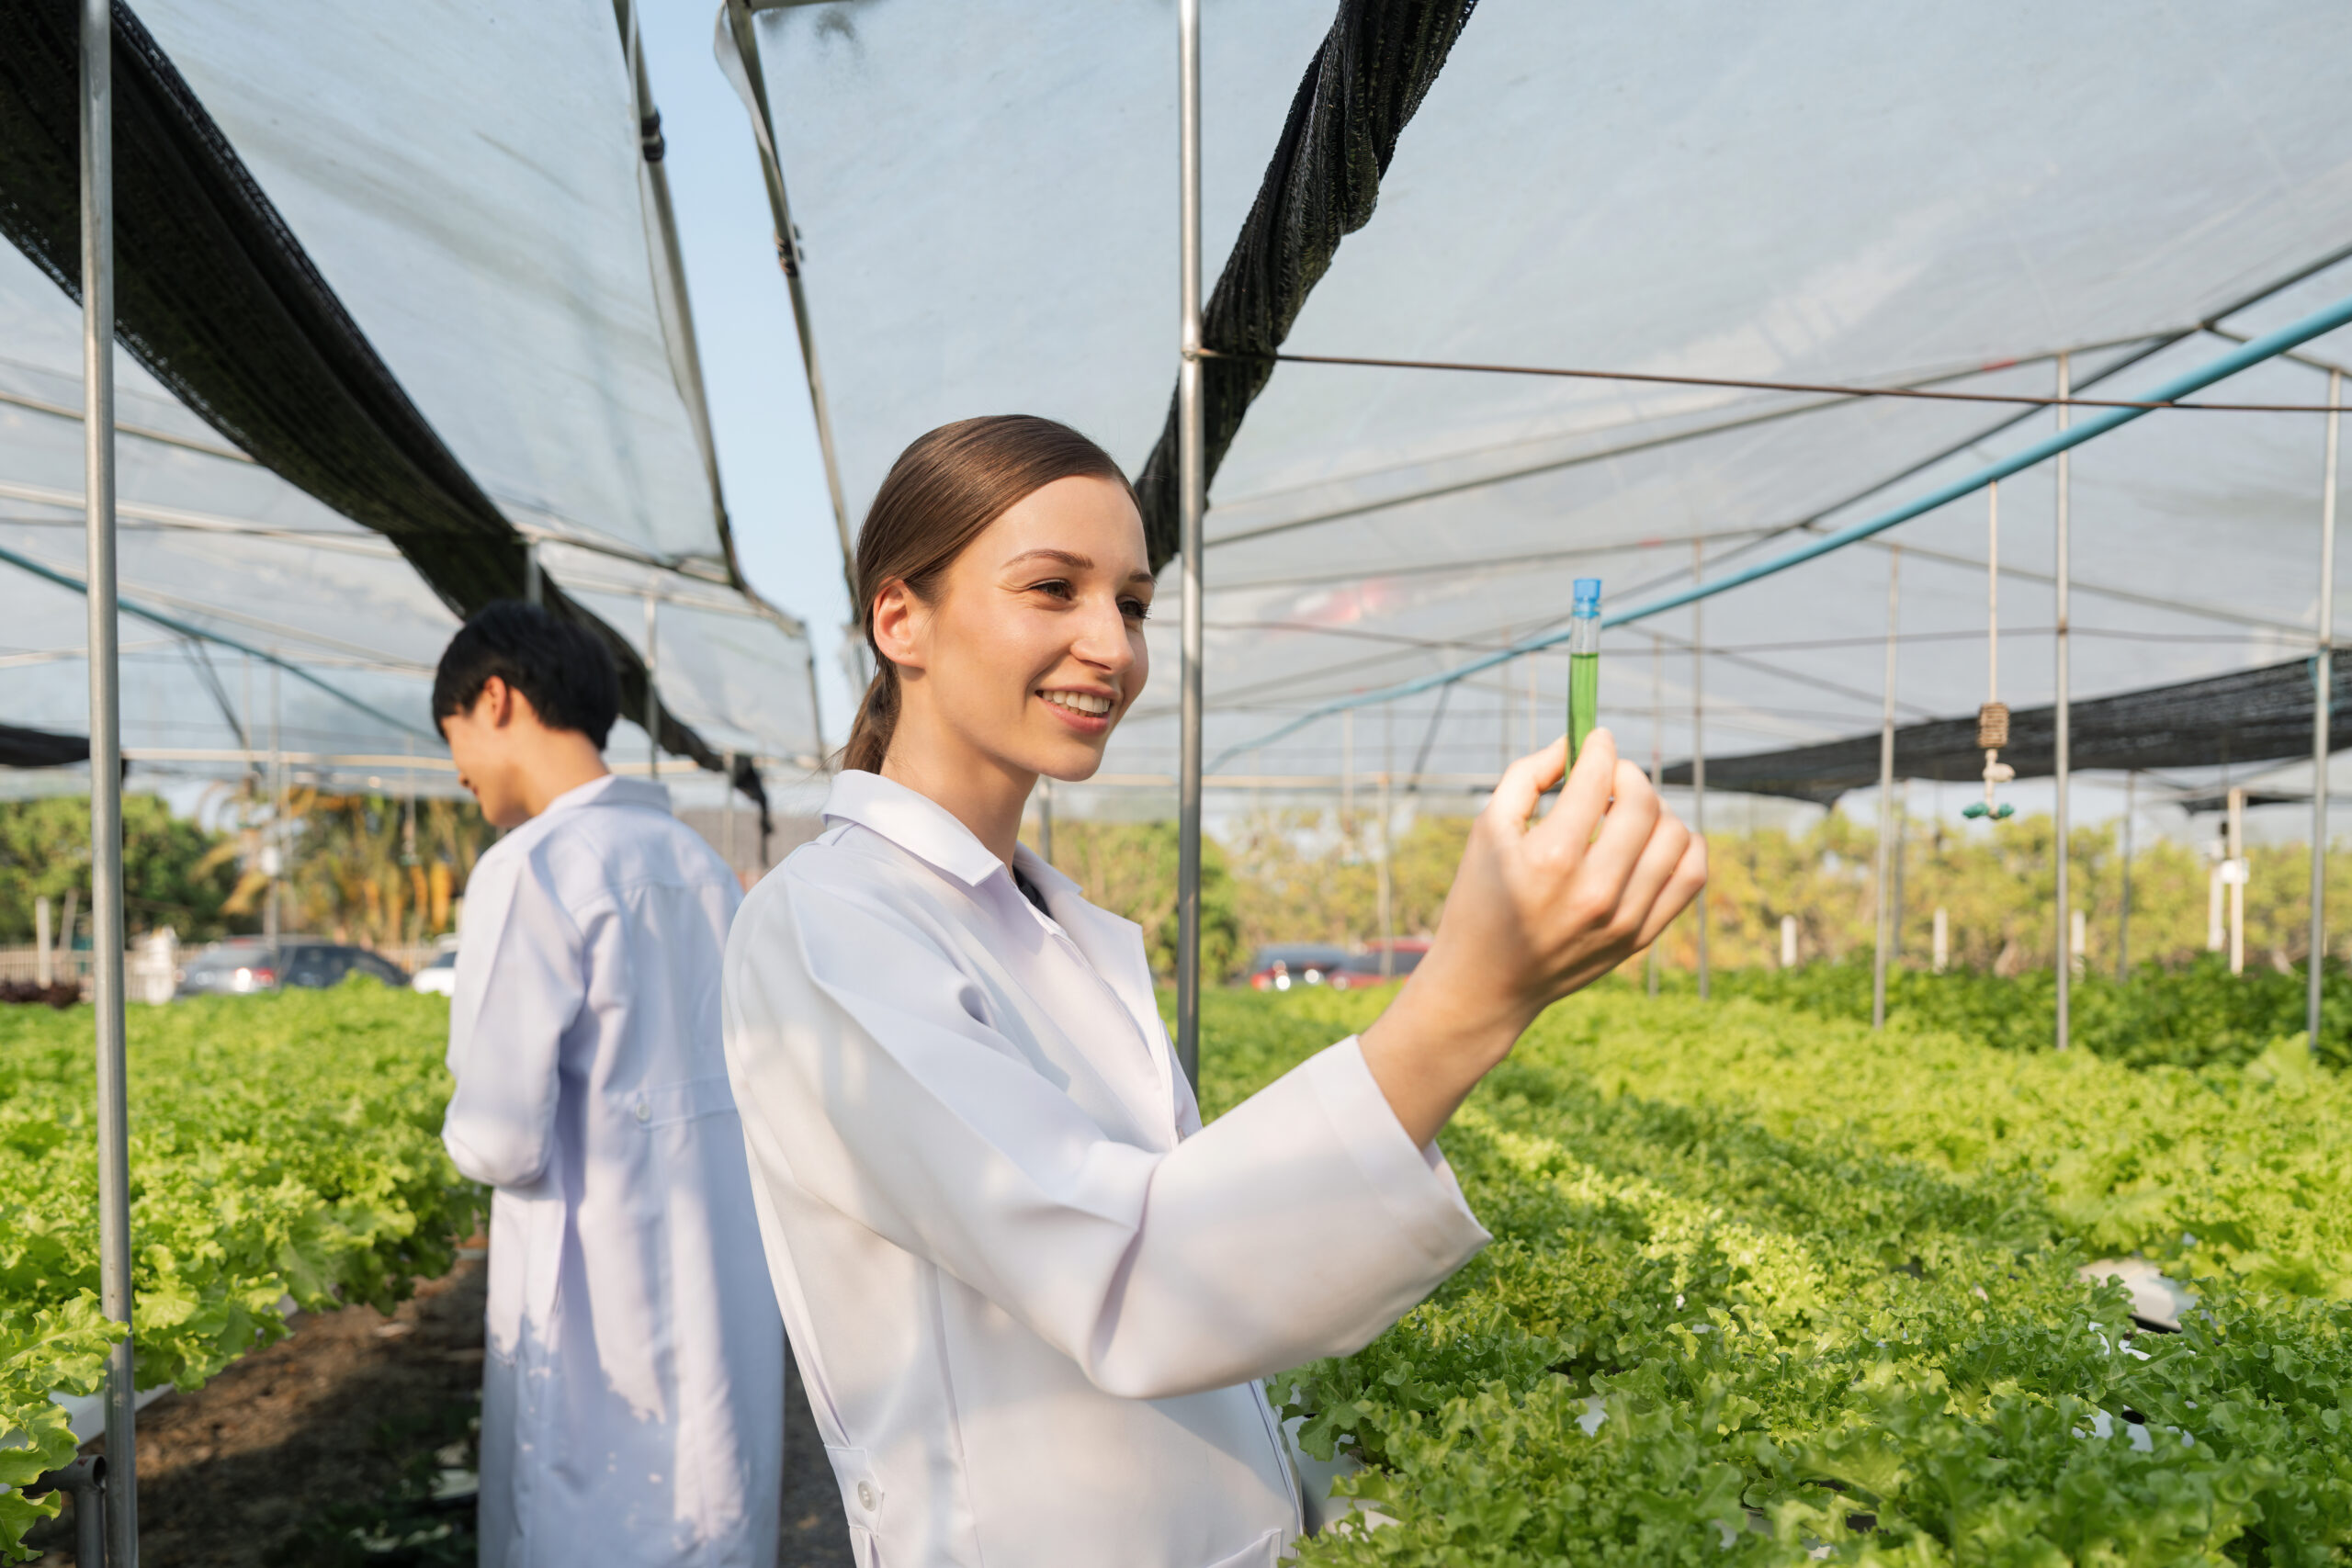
[[1086, 703]]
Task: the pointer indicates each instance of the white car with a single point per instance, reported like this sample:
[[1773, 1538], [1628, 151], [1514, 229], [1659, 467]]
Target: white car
[[439, 975]]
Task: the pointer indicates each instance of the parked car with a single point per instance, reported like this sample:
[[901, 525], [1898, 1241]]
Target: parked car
[[1293, 964], [439, 975], [255, 964], [1362, 969]]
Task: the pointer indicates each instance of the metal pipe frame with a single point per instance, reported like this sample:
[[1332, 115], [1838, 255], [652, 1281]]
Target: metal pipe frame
[[2323, 699], [1699, 744], [652, 691], [84, 1481], [1192, 485], [2124, 911], [96, 97], [1885, 947], [2269, 346], [2062, 742], [736, 26]]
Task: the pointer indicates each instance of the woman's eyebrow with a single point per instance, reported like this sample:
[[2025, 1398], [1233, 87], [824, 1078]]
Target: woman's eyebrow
[[1070, 558]]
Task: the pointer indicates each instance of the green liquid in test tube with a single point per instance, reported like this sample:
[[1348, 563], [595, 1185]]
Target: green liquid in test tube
[[1584, 664]]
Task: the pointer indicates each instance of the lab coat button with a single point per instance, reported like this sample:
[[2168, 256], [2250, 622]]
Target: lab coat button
[[644, 1112], [865, 1496]]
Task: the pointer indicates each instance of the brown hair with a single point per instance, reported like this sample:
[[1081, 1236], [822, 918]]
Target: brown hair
[[944, 490]]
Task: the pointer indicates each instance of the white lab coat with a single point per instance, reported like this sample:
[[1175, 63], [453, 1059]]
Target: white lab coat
[[1030, 1296], [633, 1389]]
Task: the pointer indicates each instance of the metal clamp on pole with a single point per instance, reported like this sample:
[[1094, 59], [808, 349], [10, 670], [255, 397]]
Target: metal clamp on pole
[[84, 1481]]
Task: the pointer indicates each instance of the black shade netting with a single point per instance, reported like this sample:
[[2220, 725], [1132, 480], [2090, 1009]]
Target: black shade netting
[[1367, 78], [40, 748], [2246, 716], [215, 296]]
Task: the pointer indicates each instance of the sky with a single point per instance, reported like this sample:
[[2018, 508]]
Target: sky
[[768, 459]]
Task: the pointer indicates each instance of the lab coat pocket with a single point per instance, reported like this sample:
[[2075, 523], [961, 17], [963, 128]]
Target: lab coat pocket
[[1263, 1553], [666, 1105], [861, 1500]]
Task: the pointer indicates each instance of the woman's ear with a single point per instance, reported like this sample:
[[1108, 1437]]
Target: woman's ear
[[899, 622]]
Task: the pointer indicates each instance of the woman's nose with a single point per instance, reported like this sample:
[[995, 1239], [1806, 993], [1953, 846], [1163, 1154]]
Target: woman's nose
[[1103, 639]]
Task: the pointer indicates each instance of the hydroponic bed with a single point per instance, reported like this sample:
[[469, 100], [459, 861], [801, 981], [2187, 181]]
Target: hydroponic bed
[[285, 1150], [1824, 1287]]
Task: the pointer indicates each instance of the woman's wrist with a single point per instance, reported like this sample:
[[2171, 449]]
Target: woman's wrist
[[1433, 1046]]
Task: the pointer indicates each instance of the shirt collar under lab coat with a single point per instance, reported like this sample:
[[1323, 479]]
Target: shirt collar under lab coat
[[930, 833], [611, 790]]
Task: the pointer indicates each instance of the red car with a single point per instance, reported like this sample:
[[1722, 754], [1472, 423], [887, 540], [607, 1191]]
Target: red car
[[1362, 969], [1293, 964]]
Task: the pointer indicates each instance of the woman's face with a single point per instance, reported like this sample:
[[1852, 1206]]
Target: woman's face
[[1031, 647]]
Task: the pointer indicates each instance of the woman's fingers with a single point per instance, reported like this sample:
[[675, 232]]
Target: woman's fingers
[[1631, 822], [1568, 829], [1660, 853], [1523, 784], [1689, 876]]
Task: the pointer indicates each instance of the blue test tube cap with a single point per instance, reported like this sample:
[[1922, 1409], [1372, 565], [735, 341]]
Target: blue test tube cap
[[1587, 596]]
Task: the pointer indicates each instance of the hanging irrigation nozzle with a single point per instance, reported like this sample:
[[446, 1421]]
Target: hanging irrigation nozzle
[[1992, 734], [1993, 718]]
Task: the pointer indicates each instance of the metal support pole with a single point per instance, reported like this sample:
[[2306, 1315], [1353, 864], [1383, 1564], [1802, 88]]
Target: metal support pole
[[2323, 699], [726, 819], [1902, 865], [1347, 776], [2236, 880], [44, 965], [2064, 750], [273, 854], [1192, 500], [1387, 864], [534, 594], [106, 767], [1046, 822], [1535, 704], [652, 691], [1698, 741], [740, 45], [1884, 946], [1657, 755], [2124, 911]]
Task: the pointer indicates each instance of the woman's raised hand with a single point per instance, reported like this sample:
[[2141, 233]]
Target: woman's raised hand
[[1538, 910]]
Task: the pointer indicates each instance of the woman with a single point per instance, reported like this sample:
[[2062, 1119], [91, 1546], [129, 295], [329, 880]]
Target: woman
[[1030, 1295]]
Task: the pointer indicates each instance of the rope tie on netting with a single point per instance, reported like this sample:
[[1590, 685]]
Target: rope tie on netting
[[1993, 717]]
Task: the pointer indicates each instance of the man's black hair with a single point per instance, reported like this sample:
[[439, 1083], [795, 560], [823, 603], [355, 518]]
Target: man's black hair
[[564, 670]]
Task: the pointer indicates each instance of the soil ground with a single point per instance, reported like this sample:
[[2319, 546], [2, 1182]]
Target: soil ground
[[327, 1450]]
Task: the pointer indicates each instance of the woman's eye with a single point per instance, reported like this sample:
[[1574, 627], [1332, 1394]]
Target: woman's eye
[[1057, 587], [1134, 609]]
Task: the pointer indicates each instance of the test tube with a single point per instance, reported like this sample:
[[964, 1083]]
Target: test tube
[[1584, 664]]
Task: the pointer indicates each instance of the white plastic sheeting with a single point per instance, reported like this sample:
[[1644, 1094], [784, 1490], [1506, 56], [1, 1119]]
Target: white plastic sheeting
[[1845, 193], [468, 181]]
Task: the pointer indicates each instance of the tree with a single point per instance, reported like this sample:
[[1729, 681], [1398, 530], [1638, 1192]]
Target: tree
[[171, 875], [1129, 869]]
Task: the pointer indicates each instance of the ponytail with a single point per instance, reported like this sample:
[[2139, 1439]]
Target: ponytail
[[877, 717], [943, 491]]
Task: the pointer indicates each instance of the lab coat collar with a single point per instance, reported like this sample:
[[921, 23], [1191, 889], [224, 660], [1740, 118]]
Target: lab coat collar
[[914, 822], [612, 790]]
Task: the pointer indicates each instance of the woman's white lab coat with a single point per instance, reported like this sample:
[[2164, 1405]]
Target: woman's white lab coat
[[1029, 1294], [633, 1392]]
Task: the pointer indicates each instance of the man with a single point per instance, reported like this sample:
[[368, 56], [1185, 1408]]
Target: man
[[633, 1392]]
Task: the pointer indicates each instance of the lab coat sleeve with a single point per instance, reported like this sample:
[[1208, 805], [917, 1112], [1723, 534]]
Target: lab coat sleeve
[[1298, 1225], [521, 982]]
